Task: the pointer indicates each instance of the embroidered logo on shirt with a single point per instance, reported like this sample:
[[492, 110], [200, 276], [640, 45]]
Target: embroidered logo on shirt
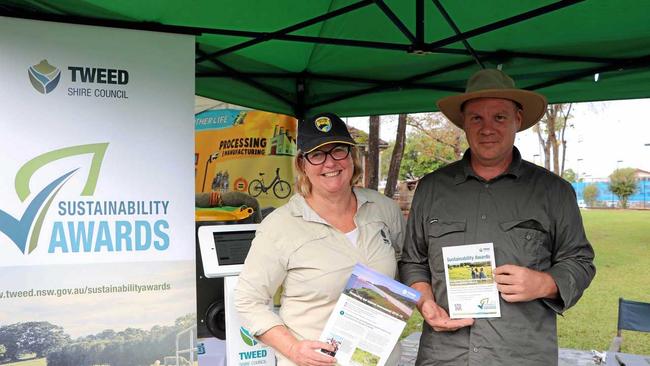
[[385, 237]]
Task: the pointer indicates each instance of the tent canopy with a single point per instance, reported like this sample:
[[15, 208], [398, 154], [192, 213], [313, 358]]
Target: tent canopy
[[365, 57]]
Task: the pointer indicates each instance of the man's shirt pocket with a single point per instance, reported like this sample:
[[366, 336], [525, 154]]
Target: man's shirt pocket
[[526, 243], [443, 233]]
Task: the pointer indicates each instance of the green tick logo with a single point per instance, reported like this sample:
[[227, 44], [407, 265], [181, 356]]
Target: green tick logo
[[44, 77], [18, 229]]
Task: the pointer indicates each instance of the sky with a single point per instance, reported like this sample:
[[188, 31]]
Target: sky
[[605, 135]]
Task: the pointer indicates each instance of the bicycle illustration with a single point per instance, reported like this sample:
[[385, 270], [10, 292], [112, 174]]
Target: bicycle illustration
[[281, 188]]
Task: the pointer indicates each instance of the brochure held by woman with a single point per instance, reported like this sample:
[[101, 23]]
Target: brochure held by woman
[[368, 318]]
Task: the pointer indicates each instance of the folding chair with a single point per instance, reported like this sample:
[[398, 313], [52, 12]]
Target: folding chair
[[632, 315]]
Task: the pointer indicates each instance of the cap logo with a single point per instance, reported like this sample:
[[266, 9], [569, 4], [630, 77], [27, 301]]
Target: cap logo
[[323, 124]]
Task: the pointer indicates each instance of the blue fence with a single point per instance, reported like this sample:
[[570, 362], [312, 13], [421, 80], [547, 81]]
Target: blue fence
[[640, 199]]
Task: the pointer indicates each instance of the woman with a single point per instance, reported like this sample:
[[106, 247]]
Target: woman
[[311, 244]]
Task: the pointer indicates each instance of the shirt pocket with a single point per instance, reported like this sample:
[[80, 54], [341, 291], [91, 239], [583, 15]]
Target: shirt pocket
[[527, 244], [443, 233]]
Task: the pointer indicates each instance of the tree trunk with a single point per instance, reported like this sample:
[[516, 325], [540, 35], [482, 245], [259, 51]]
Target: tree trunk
[[563, 141], [555, 123], [458, 140], [545, 146], [372, 169], [551, 138], [396, 157]]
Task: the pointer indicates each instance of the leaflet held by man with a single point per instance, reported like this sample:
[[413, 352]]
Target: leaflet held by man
[[471, 289]]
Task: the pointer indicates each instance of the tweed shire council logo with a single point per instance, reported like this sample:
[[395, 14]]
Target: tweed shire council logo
[[44, 77], [31, 221], [247, 337]]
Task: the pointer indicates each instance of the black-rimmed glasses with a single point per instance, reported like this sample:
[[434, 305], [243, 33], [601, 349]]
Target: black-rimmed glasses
[[318, 157]]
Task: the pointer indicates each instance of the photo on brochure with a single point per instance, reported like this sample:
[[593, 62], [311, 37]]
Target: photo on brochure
[[335, 341], [380, 292], [470, 273], [364, 358]]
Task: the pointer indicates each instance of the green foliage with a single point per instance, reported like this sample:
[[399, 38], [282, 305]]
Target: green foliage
[[35, 340], [431, 143], [186, 321], [621, 241], [129, 347], [622, 182], [38, 338], [590, 194], [384, 161], [422, 155], [569, 175]]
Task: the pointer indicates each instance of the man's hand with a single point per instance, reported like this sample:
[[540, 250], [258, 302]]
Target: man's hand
[[306, 353], [438, 318], [520, 284]]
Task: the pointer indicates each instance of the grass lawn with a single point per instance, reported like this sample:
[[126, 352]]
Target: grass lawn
[[32, 362], [621, 240]]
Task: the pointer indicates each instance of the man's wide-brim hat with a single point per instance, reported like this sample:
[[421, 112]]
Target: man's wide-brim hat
[[493, 83]]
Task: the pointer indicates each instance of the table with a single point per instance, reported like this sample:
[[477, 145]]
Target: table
[[566, 356], [626, 359]]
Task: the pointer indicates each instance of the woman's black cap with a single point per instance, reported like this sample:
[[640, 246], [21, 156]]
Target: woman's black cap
[[322, 129]]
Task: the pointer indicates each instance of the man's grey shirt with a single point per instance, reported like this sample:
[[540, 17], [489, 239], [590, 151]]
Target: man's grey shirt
[[532, 217]]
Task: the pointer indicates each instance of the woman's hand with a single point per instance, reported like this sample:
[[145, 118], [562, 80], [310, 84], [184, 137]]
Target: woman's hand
[[306, 353]]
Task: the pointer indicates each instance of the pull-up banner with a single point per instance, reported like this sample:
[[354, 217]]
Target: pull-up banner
[[246, 151], [96, 213]]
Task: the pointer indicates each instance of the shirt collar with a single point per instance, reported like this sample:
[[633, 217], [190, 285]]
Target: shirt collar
[[300, 207], [465, 172]]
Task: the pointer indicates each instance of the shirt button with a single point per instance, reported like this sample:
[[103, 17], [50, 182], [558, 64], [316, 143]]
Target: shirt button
[[475, 349], [528, 236], [483, 217], [486, 185]]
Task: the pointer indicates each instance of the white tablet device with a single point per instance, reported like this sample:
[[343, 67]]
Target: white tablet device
[[224, 248]]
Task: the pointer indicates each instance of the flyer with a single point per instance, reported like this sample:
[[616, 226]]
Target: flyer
[[368, 318], [471, 289]]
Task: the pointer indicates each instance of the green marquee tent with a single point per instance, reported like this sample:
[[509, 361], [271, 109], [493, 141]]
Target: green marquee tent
[[363, 57]]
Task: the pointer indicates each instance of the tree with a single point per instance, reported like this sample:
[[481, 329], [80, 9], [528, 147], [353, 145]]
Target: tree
[[372, 169], [449, 138], [396, 157], [422, 156], [590, 194], [32, 337], [185, 321], [569, 175], [622, 182], [550, 134]]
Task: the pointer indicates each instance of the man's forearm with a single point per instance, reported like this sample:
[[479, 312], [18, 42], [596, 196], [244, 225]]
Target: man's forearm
[[548, 290]]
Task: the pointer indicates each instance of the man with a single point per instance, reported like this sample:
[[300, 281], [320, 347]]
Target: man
[[544, 261]]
